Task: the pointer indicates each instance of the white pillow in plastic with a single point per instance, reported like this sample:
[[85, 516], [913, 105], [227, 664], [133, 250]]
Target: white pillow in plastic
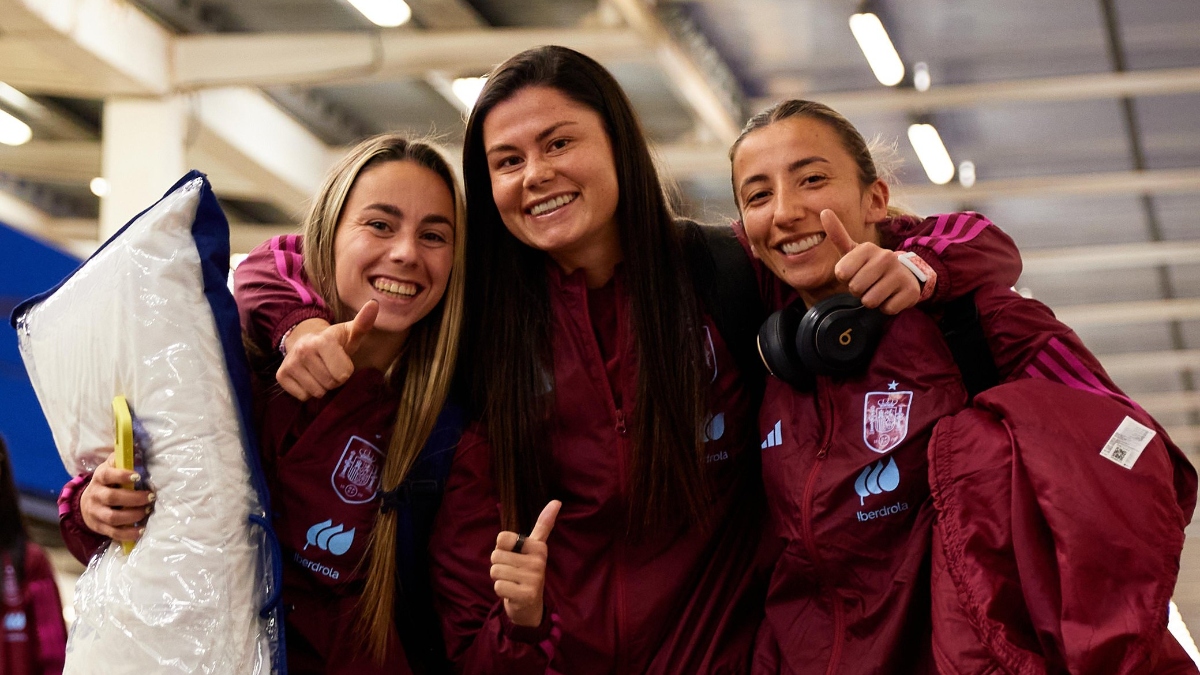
[[149, 317]]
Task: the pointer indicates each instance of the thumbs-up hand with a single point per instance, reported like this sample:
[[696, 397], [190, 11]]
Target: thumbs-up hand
[[519, 569], [873, 274], [319, 355]]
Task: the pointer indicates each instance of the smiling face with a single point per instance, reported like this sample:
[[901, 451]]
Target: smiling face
[[784, 175], [395, 244], [553, 177]]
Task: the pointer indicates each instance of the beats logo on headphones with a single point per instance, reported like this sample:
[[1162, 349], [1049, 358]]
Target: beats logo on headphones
[[837, 337]]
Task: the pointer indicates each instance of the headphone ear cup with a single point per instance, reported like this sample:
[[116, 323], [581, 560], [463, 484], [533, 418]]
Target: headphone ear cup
[[838, 336], [777, 347]]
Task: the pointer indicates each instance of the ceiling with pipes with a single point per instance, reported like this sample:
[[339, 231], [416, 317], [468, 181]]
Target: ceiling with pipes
[[1073, 124]]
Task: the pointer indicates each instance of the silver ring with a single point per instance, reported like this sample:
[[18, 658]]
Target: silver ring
[[520, 544]]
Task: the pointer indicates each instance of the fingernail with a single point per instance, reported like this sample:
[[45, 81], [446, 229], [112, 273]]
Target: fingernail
[[135, 477], [141, 531], [150, 497]]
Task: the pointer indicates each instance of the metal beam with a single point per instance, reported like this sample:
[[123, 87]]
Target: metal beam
[[683, 72], [1185, 435], [1074, 259], [46, 118], [20, 214], [85, 48], [1138, 363], [694, 160], [1157, 181], [52, 161], [1163, 82], [1119, 313], [259, 142], [264, 59], [1168, 402], [80, 235], [232, 166], [446, 14]]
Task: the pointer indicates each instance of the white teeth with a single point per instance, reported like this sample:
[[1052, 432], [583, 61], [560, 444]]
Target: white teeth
[[391, 287], [794, 247], [550, 205]]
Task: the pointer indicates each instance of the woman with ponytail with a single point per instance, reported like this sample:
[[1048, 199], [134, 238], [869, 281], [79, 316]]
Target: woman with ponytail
[[383, 247]]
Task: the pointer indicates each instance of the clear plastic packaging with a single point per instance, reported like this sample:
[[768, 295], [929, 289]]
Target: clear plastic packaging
[[145, 318]]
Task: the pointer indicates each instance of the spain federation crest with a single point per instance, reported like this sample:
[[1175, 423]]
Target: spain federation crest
[[356, 477], [885, 419]]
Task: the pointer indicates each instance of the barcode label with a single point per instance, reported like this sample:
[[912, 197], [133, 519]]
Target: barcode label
[[1127, 442]]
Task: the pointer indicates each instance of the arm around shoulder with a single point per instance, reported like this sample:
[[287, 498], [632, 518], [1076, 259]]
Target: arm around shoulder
[[964, 250], [273, 293]]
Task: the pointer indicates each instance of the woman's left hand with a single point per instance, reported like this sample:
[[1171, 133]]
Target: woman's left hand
[[873, 274], [520, 575]]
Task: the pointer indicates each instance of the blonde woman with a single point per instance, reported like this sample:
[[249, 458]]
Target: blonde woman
[[382, 245]]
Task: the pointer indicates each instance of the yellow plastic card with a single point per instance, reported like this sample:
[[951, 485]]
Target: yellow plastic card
[[123, 445]]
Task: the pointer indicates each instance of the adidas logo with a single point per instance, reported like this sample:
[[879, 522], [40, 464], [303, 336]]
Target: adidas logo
[[14, 621], [329, 537], [775, 437], [876, 479]]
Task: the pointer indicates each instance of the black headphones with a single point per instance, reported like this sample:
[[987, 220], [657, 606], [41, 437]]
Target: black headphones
[[837, 336]]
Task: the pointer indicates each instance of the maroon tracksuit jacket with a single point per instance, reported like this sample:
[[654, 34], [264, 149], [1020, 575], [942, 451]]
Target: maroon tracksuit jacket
[[847, 479], [33, 637]]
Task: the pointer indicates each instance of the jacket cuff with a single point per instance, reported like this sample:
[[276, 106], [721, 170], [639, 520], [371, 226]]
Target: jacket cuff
[[546, 635], [528, 634], [292, 319], [80, 541], [925, 275]]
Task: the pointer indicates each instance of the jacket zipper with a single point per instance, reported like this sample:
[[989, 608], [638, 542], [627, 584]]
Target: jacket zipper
[[835, 653], [619, 575], [623, 469]]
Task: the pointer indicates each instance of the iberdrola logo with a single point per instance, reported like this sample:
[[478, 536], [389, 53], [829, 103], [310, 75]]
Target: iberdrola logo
[[876, 479]]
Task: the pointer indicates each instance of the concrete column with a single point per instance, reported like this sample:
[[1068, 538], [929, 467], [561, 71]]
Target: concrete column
[[142, 154]]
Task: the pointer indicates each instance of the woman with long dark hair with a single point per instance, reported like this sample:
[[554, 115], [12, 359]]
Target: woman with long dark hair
[[33, 637], [599, 381]]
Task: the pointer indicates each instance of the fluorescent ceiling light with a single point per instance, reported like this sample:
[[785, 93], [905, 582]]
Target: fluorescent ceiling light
[[966, 173], [932, 153], [13, 97], [99, 187], [386, 13], [13, 131], [877, 47], [466, 89], [921, 77]]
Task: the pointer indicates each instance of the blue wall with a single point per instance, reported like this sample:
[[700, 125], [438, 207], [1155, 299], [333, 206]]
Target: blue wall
[[27, 267]]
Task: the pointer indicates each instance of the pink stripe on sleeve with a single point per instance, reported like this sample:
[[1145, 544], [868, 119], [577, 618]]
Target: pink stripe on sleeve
[[941, 239], [978, 227], [1071, 381], [281, 266], [959, 224], [940, 227], [1084, 373]]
